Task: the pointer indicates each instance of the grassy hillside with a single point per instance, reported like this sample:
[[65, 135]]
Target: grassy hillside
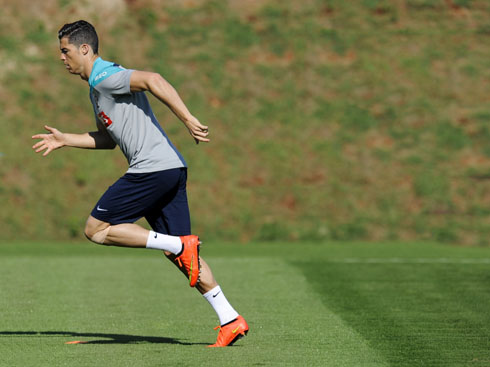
[[338, 120]]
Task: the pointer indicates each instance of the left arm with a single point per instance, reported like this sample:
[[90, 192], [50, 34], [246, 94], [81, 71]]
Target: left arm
[[56, 139], [154, 83]]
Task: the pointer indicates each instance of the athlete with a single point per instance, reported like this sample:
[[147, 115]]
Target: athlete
[[154, 186]]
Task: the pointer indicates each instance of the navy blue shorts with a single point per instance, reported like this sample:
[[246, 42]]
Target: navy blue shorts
[[160, 197]]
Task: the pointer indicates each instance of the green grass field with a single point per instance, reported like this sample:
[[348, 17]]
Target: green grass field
[[350, 304]]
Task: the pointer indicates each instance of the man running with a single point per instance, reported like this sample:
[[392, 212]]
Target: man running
[[154, 186]]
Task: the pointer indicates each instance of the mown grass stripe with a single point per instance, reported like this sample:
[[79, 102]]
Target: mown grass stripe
[[429, 314], [291, 317]]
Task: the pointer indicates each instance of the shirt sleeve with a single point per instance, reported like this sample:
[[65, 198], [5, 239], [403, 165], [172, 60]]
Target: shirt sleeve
[[116, 84]]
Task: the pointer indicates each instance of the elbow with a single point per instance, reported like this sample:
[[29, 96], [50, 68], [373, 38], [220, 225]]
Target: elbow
[[156, 78], [108, 142], [105, 143], [154, 81]]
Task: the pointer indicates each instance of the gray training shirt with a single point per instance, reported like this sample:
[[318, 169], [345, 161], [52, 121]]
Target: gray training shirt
[[130, 121]]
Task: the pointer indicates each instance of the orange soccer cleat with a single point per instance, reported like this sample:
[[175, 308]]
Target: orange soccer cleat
[[188, 260], [231, 332]]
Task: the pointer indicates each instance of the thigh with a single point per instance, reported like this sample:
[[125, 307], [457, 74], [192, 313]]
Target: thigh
[[172, 215], [135, 195]]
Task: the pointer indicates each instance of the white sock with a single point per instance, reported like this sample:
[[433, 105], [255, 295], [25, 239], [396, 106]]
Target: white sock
[[221, 306], [158, 241]]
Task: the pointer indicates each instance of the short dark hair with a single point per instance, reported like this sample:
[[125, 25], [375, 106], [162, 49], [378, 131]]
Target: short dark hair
[[80, 32]]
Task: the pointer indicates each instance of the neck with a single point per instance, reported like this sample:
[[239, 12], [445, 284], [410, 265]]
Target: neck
[[87, 70]]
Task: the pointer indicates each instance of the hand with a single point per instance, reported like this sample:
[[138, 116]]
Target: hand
[[49, 142], [198, 131]]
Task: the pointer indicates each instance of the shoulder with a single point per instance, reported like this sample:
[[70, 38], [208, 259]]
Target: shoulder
[[102, 70]]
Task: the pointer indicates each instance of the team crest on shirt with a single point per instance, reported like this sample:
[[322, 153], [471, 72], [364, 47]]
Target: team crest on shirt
[[105, 119]]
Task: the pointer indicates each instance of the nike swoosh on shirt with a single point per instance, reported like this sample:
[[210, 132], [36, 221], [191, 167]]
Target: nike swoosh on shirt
[[102, 210]]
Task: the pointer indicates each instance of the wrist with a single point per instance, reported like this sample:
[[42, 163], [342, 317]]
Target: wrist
[[64, 140], [188, 119]]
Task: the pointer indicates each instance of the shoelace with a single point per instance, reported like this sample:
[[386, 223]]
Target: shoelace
[[217, 327]]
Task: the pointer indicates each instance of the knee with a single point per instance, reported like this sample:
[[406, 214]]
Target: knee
[[96, 232]]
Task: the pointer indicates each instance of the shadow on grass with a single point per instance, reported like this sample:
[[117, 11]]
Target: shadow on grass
[[108, 338]]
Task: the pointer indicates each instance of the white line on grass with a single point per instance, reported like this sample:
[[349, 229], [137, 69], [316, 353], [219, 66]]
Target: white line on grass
[[399, 260]]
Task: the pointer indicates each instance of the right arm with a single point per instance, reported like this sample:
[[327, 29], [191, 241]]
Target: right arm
[[142, 81], [56, 139]]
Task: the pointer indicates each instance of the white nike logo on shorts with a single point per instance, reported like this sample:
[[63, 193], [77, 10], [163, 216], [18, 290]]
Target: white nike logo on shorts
[[102, 210]]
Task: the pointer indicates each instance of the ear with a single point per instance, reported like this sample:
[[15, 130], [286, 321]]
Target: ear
[[84, 49]]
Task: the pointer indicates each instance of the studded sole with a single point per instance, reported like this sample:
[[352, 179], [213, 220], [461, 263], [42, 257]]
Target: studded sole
[[238, 337]]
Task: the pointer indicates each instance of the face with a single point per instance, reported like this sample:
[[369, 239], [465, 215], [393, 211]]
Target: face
[[71, 56]]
